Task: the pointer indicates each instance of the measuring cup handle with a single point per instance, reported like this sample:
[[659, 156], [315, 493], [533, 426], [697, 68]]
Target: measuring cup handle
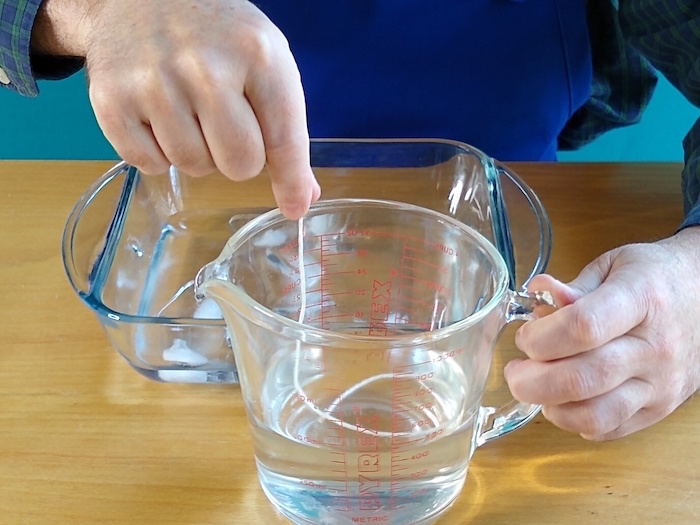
[[495, 422]]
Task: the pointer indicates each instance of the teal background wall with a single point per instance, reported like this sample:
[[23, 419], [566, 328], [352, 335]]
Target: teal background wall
[[59, 124]]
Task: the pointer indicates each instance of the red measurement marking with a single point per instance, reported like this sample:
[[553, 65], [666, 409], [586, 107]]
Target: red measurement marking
[[362, 253], [339, 253], [420, 240], [314, 305], [400, 444], [337, 273], [419, 280], [421, 261], [392, 235], [321, 320], [414, 248], [405, 269], [337, 316], [339, 293], [398, 410]]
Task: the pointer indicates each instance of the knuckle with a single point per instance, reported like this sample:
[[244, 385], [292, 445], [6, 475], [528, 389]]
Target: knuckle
[[657, 298], [107, 104], [191, 160], [673, 390], [585, 326], [145, 163], [188, 61], [101, 99], [200, 170], [262, 45], [190, 66], [590, 421], [289, 147], [661, 409], [242, 163], [147, 83], [665, 348]]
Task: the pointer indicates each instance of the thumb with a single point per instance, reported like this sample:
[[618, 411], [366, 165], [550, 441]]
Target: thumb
[[563, 294], [590, 278]]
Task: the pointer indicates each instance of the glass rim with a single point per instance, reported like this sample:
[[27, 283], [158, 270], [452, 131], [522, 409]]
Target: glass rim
[[309, 334]]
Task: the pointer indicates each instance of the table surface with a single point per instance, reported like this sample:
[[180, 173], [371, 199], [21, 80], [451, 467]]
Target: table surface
[[85, 440]]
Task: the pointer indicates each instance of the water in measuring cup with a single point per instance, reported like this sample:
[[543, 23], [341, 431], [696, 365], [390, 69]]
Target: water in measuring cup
[[392, 449]]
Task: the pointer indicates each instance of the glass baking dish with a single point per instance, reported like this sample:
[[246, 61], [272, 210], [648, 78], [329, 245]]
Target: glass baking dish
[[133, 243]]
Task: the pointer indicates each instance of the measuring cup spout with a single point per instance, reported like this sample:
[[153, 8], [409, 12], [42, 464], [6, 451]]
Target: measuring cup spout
[[218, 269]]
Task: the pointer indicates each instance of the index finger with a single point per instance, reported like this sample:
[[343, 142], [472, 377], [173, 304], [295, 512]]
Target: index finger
[[275, 92], [607, 312]]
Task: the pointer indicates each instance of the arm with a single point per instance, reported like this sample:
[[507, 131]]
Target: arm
[[29, 49], [667, 32], [623, 352], [199, 84]]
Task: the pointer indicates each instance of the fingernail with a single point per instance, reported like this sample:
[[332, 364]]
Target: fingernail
[[506, 368], [294, 211], [509, 366], [518, 338]]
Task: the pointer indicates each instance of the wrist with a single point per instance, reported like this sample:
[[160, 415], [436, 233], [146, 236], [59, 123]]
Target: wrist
[[61, 28]]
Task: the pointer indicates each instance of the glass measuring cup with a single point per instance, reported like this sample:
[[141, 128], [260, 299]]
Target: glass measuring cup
[[369, 409]]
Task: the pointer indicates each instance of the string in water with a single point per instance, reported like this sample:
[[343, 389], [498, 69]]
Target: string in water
[[297, 385]]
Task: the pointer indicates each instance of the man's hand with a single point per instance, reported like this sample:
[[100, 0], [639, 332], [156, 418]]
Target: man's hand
[[624, 351], [200, 84]]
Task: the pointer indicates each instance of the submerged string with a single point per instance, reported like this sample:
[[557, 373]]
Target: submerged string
[[302, 270], [302, 314], [297, 385]]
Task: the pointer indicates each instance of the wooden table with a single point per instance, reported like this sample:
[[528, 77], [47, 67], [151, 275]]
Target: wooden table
[[85, 440]]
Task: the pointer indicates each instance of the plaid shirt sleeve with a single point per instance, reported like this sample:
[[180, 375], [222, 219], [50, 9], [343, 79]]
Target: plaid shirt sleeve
[[16, 21], [667, 32]]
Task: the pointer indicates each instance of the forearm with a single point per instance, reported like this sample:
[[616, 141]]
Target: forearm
[[667, 32], [61, 28], [42, 39], [691, 176]]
